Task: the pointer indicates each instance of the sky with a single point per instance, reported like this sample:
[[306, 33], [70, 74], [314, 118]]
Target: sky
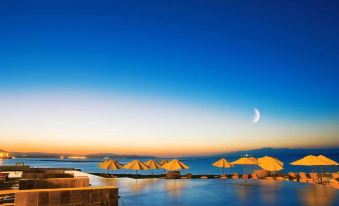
[[168, 77]]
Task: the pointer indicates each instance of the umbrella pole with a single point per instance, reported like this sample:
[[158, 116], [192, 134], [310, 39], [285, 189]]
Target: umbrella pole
[[322, 175], [244, 174]]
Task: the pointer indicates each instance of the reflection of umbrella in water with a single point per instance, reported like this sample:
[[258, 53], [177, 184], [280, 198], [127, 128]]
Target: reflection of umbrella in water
[[317, 195], [175, 165], [110, 165], [222, 163], [96, 181], [269, 191], [176, 188], [243, 192], [136, 165], [148, 182], [140, 184]]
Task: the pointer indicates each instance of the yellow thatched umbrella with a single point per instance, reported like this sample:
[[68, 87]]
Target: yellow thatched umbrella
[[153, 165], [175, 165], [270, 164], [327, 160], [222, 163], [110, 165], [162, 162], [245, 161], [136, 165], [312, 160]]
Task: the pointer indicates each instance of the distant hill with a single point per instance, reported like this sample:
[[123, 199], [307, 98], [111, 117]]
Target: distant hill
[[57, 155], [255, 152], [281, 151]]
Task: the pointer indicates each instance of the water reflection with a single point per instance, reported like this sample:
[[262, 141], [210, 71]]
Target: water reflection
[[317, 195], [218, 192], [245, 192], [268, 191], [174, 187], [138, 185]]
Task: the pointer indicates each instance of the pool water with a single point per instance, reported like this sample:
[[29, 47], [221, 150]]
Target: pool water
[[218, 192]]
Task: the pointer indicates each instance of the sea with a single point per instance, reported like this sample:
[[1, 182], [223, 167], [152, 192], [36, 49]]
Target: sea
[[197, 165]]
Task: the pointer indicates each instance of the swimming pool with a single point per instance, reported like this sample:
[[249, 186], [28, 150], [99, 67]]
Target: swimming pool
[[189, 192]]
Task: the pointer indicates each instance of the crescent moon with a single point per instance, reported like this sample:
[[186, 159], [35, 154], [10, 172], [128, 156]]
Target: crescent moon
[[256, 117]]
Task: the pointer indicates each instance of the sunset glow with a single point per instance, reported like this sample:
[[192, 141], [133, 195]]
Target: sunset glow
[[72, 122]]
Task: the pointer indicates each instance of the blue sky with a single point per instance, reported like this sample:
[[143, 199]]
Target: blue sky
[[279, 56]]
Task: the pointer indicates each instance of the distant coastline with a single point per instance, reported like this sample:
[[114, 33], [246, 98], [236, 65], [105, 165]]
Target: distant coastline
[[254, 152]]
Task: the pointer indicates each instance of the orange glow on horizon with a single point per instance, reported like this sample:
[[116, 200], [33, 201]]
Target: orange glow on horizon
[[160, 151], [94, 123]]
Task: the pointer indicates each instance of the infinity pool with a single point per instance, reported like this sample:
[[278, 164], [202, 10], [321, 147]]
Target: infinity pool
[[219, 192]]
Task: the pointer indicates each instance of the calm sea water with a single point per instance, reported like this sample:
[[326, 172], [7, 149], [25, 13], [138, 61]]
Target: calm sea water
[[197, 165]]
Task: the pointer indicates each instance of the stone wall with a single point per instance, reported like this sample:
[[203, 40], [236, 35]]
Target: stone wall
[[88, 196], [53, 183], [41, 175]]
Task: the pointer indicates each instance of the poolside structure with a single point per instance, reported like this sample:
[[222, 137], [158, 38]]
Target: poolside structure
[[52, 186], [100, 195]]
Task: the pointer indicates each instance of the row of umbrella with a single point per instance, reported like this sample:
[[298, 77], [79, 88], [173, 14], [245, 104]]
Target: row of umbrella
[[274, 164], [138, 165], [267, 163]]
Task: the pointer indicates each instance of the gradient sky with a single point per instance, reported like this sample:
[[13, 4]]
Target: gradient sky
[[168, 77]]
